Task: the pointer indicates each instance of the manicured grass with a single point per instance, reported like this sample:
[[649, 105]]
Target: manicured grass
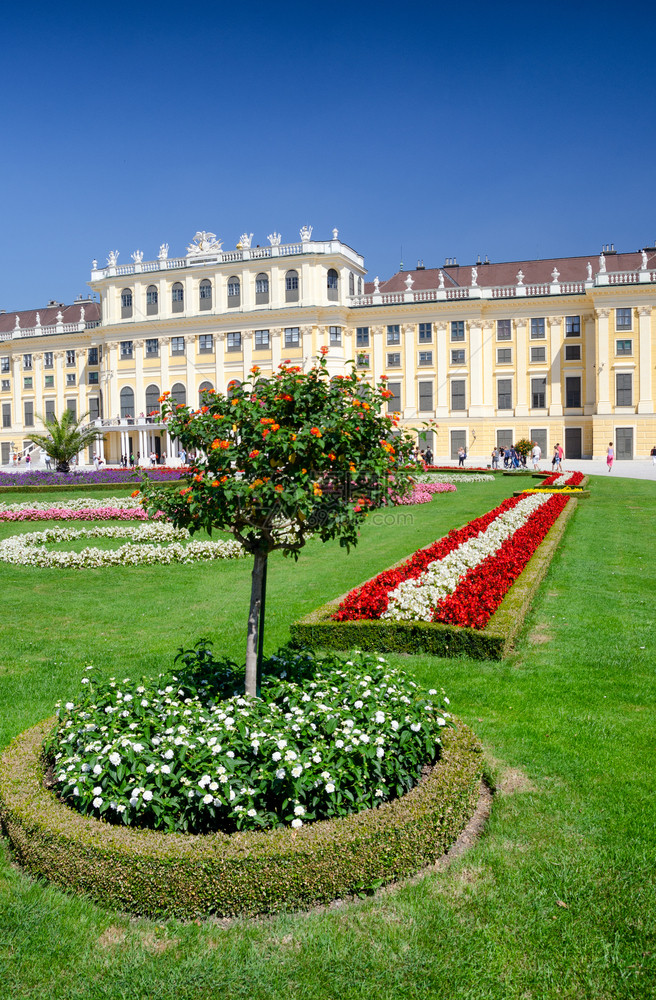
[[568, 721]]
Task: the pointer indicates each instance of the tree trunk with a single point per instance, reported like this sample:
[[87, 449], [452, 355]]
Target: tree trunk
[[252, 674]]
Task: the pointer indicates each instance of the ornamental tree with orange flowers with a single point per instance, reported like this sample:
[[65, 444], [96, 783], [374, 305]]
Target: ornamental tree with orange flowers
[[281, 459]]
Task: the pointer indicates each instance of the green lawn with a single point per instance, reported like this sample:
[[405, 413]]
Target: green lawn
[[557, 899]]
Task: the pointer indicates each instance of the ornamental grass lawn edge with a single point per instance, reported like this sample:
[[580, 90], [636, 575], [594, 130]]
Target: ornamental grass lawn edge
[[318, 630], [153, 873]]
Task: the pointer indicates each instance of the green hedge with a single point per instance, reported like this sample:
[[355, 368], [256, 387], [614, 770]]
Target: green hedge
[[153, 873], [319, 631]]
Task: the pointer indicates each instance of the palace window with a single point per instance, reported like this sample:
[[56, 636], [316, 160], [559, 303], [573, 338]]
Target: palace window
[[152, 399], [573, 391], [206, 342], [6, 414], [127, 401], [179, 394], [152, 300], [152, 347], [126, 303], [426, 358], [362, 360], [29, 413], [70, 378], [332, 282], [572, 352], [623, 348], [623, 319], [4, 364], [92, 357], [50, 409], [394, 360], [6, 385], [504, 329], [538, 393], [27, 362], [126, 348], [48, 360], [292, 336], [394, 401], [458, 330], [504, 394], [504, 355], [572, 326], [202, 389], [177, 345], [261, 340], [205, 294], [623, 389], [93, 378], [177, 298], [234, 292], [538, 355], [425, 333], [335, 336], [425, 397], [233, 341], [393, 334], [70, 358], [261, 289], [351, 283], [361, 337], [291, 286], [458, 394], [49, 381], [458, 357], [537, 328], [28, 382]]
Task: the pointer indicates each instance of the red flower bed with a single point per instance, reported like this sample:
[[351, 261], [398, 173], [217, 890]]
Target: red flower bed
[[371, 599], [480, 593], [574, 480]]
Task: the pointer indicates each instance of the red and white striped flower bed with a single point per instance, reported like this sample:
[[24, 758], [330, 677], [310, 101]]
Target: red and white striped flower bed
[[462, 578]]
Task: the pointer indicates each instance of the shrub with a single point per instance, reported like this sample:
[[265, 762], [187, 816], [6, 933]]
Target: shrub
[[149, 872]]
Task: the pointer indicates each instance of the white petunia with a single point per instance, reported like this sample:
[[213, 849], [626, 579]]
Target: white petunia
[[115, 759], [296, 823]]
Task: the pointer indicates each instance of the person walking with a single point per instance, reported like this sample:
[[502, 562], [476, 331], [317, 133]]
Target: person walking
[[536, 455], [561, 455], [495, 458], [48, 462], [461, 458], [653, 455], [610, 455]]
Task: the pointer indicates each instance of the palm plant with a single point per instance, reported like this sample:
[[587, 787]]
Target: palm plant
[[65, 438]]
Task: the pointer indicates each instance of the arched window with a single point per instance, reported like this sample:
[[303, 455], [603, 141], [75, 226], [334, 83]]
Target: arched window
[[126, 303], [205, 294], [233, 385], [178, 393], [261, 289], [177, 298], [234, 292], [152, 399], [127, 401], [152, 300], [351, 283], [291, 286], [202, 388], [333, 283]]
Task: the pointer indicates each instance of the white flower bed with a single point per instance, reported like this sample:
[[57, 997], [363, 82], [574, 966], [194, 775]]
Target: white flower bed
[[454, 477], [28, 549], [87, 503], [415, 600]]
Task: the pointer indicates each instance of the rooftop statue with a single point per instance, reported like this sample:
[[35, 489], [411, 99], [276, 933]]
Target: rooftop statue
[[112, 259], [137, 256], [474, 277], [644, 260], [204, 243], [441, 277], [274, 239], [589, 270], [163, 251], [306, 233], [602, 264], [245, 239]]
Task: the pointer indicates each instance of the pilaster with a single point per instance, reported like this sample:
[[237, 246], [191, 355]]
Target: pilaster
[[645, 401], [441, 354], [521, 367], [555, 344], [602, 369]]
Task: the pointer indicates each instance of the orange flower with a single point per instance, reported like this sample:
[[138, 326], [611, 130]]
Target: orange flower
[[323, 350], [198, 478], [292, 437], [264, 433], [278, 488], [218, 416], [303, 471], [135, 493], [275, 427], [266, 420], [315, 432], [220, 443], [332, 456], [255, 369], [254, 453], [215, 482], [204, 409]]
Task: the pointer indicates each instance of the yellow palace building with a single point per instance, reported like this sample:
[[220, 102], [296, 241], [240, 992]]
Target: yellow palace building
[[558, 350]]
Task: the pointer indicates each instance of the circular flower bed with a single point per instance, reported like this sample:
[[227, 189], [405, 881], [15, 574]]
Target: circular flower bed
[[28, 549], [186, 754]]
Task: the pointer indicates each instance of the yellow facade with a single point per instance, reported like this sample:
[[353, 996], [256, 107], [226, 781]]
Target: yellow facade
[[555, 361]]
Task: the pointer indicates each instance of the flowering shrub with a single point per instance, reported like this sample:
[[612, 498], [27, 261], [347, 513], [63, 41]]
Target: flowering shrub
[[27, 549], [185, 753], [423, 493]]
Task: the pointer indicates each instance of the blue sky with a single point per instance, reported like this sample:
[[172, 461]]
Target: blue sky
[[507, 129]]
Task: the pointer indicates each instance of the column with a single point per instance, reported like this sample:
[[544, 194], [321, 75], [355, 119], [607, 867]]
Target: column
[[59, 382], [139, 388], [190, 372], [306, 343], [37, 361], [441, 355], [645, 401], [164, 348], [247, 349], [603, 362], [111, 403], [276, 347], [17, 403], [479, 406], [590, 369], [521, 367], [219, 355], [410, 365], [377, 351], [555, 346]]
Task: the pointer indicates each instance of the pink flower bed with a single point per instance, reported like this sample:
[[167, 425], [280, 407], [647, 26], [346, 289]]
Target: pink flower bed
[[66, 514], [424, 493]]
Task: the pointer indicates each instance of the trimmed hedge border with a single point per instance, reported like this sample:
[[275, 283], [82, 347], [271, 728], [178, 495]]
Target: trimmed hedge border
[[152, 873], [317, 630], [85, 487]]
